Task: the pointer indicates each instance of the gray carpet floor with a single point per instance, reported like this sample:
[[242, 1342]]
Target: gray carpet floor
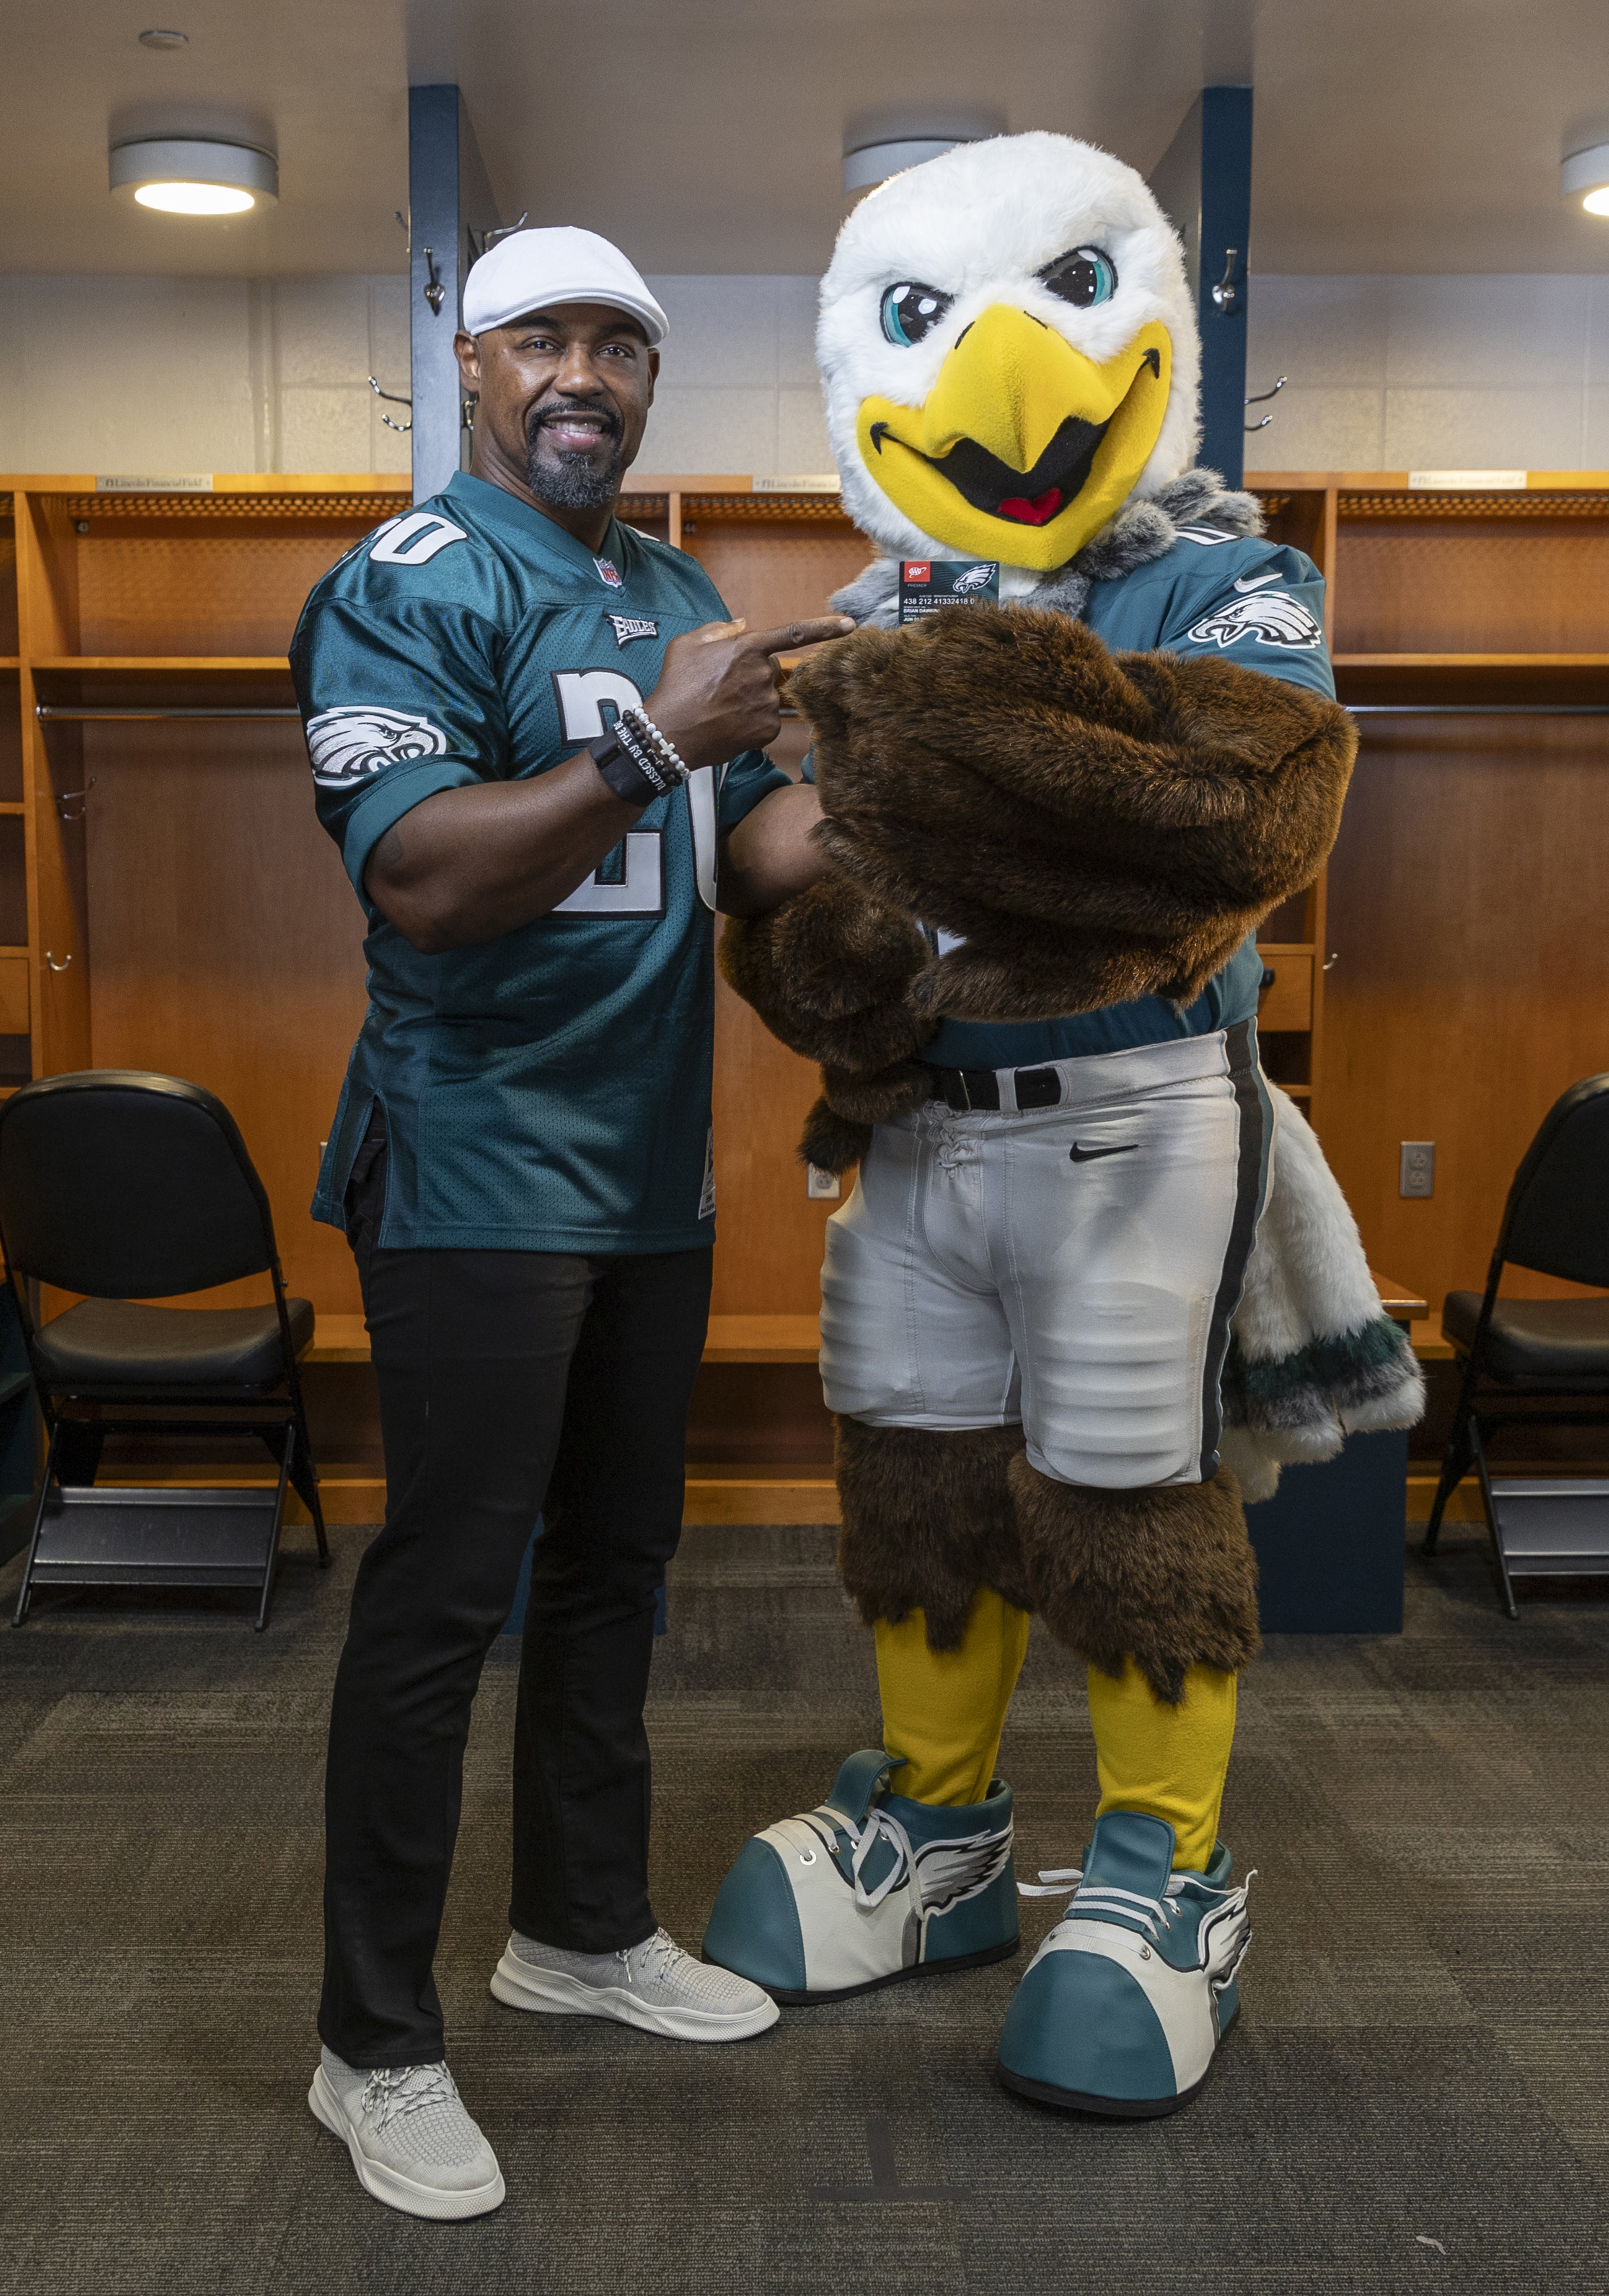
[[1416, 2098]]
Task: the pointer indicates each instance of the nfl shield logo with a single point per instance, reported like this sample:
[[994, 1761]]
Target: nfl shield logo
[[609, 572]]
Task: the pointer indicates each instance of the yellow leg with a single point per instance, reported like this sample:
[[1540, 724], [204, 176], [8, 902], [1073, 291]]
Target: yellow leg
[[1168, 1762], [943, 1710]]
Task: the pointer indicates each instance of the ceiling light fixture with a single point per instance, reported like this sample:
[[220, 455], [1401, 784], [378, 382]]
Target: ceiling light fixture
[[155, 39], [1584, 177], [194, 176], [873, 163]]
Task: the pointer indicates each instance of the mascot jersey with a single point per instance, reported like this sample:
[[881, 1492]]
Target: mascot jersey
[[1035, 1327]]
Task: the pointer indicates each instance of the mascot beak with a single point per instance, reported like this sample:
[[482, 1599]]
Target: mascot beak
[[1024, 448]]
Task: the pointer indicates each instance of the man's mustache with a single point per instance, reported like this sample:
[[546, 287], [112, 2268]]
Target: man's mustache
[[559, 410]]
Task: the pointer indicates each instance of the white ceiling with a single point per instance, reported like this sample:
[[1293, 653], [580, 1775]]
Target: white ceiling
[[706, 136]]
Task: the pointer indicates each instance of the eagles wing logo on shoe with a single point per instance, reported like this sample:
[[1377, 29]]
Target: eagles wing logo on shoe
[[949, 1872], [348, 745], [866, 1888], [1273, 616]]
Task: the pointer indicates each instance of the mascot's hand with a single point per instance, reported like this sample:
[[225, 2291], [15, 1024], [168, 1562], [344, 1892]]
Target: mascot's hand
[[829, 973], [1098, 827]]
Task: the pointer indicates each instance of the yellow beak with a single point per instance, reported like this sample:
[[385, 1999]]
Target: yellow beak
[[1024, 448]]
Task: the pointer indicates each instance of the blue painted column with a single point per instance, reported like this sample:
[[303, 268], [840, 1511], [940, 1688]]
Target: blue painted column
[[450, 210], [1204, 182]]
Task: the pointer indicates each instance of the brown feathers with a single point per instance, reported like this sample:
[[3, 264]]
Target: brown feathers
[[1098, 827], [1164, 1576], [927, 1519], [828, 973]]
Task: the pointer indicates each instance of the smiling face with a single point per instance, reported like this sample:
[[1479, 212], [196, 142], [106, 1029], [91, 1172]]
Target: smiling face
[[1008, 350], [563, 401]]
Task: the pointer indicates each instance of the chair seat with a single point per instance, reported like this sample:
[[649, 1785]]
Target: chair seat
[[106, 1347], [1561, 1344]]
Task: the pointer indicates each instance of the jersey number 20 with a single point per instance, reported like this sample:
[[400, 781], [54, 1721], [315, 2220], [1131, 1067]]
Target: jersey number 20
[[638, 888]]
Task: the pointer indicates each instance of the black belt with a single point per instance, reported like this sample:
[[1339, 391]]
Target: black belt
[[967, 1089]]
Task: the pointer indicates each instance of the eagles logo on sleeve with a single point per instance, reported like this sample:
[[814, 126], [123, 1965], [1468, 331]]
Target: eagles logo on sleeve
[[1273, 616], [348, 745]]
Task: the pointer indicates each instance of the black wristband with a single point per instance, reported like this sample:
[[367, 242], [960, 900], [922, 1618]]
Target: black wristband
[[628, 769]]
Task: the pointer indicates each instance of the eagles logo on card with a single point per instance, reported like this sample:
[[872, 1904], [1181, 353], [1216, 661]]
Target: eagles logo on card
[[627, 627], [926, 584], [609, 573]]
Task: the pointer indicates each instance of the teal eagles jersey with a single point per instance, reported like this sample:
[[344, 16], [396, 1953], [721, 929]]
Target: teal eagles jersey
[[548, 1090], [1255, 603]]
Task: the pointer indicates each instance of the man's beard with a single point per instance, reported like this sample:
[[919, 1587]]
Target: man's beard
[[574, 481]]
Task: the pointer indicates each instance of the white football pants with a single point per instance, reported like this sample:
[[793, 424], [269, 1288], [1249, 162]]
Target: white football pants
[[1072, 1268]]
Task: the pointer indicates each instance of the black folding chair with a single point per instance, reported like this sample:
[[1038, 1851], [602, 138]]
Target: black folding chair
[[1527, 1360], [131, 1187]]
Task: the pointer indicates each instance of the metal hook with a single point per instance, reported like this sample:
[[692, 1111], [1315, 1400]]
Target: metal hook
[[435, 293], [479, 240], [1226, 294], [80, 798], [391, 399], [50, 958], [1258, 400]]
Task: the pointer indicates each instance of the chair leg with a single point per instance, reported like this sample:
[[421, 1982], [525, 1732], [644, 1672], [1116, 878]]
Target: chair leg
[[25, 1593], [279, 1516], [1456, 1463], [1493, 1531], [305, 1474]]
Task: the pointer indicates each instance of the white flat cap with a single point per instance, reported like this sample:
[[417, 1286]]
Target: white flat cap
[[533, 270]]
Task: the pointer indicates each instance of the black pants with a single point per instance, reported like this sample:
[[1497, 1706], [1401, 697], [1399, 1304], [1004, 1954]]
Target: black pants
[[511, 1383]]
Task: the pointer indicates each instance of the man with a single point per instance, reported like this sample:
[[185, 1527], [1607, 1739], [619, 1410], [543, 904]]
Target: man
[[522, 1157]]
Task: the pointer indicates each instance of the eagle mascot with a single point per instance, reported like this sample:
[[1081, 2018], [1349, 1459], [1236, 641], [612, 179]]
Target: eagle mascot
[[1095, 1279]]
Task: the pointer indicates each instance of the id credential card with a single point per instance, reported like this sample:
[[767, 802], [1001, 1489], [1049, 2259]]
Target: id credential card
[[926, 584]]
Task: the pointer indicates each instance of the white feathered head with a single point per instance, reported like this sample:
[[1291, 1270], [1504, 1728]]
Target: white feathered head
[[1010, 352]]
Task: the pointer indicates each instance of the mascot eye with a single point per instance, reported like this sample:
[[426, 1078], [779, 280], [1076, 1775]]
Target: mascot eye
[[910, 310], [1085, 276]]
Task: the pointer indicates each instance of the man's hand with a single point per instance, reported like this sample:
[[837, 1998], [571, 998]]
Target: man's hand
[[718, 691], [469, 863]]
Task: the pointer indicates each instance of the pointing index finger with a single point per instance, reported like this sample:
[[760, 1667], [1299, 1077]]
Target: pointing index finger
[[792, 635]]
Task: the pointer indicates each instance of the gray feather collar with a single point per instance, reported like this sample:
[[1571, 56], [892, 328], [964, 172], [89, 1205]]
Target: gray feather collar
[[1140, 531]]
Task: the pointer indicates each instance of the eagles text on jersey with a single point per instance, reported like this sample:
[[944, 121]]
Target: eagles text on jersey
[[550, 1089]]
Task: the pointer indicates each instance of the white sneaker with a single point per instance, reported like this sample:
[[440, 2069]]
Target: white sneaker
[[411, 2143], [654, 1985]]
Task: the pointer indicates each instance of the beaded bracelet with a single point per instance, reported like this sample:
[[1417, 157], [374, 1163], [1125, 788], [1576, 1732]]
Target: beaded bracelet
[[670, 757]]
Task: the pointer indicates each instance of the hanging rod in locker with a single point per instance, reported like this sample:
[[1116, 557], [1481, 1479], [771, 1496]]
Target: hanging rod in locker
[[49, 709]]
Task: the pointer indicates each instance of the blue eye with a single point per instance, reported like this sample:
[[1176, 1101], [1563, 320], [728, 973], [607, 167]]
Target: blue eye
[[1084, 278], [910, 310]]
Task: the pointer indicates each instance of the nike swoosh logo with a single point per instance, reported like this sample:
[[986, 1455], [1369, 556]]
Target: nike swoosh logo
[[1077, 1155], [1261, 582]]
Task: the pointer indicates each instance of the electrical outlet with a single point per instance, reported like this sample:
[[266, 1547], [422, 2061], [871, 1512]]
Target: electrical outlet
[[1416, 1170], [823, 1187]]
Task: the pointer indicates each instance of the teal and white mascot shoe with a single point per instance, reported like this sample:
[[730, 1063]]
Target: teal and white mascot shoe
[[868, 1889], [1123, 2006]]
